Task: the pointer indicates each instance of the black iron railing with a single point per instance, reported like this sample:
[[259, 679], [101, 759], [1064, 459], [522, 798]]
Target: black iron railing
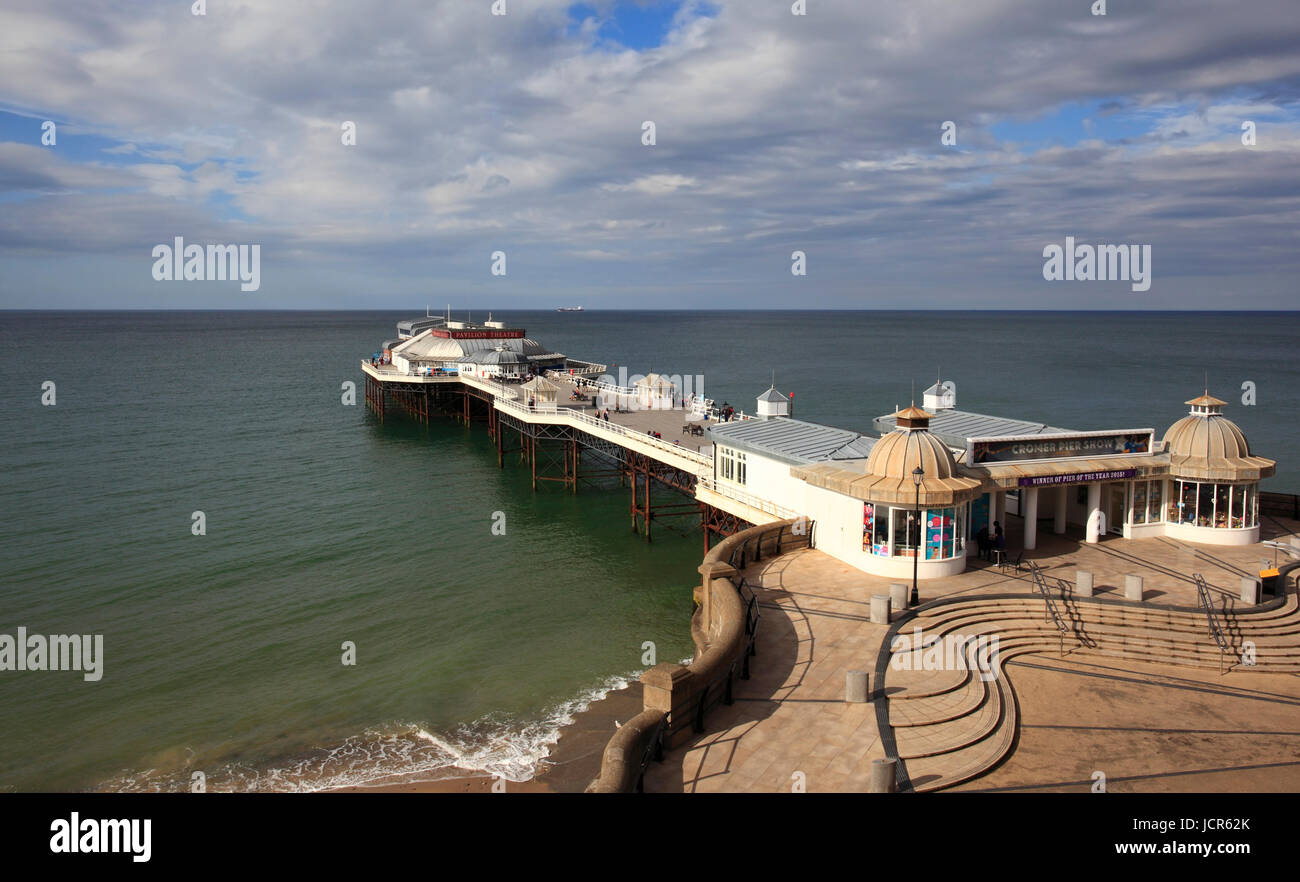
[[1212, 617], [1051, 613], [653, 752]]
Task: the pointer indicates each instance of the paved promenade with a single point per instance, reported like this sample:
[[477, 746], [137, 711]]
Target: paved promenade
[[1149, 728]]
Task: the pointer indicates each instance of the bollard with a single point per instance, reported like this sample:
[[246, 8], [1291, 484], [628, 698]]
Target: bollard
[[1250, 590], [1133, 587], [898, 596], [884, 776], [1083, 583], [857, 687], [880, 609]]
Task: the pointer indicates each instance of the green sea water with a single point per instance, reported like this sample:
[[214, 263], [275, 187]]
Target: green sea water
[[222, 652]]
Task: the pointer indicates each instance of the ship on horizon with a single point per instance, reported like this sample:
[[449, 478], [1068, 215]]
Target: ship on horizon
[[569, 309]]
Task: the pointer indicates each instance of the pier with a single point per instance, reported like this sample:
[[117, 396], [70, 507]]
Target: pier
[[564, 441], [1110, 554]]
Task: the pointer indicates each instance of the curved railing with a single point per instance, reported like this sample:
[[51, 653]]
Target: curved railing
[[678, 698]]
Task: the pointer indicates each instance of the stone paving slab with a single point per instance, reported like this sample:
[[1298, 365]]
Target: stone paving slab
[[815, 627]]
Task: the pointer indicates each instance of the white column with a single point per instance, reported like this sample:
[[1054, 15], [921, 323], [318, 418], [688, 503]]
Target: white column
[[1094, 513], [993, 510], [1062, 500], [1029, 496]]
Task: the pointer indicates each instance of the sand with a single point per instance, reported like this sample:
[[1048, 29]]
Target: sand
[[574, 760]]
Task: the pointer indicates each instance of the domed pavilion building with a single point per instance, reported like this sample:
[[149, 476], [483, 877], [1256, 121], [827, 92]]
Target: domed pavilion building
[[1213, 484]]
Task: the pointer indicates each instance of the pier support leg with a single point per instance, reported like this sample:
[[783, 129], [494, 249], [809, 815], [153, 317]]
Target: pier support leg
[[634, 525]]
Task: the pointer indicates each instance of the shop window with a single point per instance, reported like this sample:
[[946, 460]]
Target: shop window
[[906, 532], [1187, 502], [1204, 505], [875, 529], [940, 533], [1153, 501], [1140, 502]]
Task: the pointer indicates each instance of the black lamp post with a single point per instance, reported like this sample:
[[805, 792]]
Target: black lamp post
[[918, 475]]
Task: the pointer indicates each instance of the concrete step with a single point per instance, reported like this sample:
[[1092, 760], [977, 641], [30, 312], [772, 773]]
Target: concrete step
[[945, 706], [1189, 623], [952, 726], [972, 622], [903, 685], [1270, 654], [937, 772]]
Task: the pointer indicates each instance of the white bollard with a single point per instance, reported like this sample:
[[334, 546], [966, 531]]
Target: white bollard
[[884, 776], [1083, 583], [880, 609], [1250, 590], [857, 687], [1133, 587], [898, 595]]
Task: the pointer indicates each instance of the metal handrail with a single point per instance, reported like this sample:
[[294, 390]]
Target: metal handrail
[[1212, 617], [653, 752], [614, 428], [763, 505], [1052, 613]]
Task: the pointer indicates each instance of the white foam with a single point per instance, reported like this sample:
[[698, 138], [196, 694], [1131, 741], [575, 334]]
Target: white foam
[[402, 752]]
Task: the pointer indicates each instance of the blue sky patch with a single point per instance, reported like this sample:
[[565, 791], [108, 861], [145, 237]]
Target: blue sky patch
[[631, 24]]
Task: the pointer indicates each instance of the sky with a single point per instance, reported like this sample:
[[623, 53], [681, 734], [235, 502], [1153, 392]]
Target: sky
[[479, 135]]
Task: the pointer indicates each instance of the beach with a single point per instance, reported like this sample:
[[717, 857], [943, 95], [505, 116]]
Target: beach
[[571, 765]]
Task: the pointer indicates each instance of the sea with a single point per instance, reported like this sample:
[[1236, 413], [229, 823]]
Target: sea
[[327, 535]]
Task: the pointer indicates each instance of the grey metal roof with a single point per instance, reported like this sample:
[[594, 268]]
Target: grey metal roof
[[953, 427], [791, 441], [495, 356], [858, 448], [773, 395]]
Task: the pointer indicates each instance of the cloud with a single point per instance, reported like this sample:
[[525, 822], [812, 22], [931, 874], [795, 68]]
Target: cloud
[[523, 133]]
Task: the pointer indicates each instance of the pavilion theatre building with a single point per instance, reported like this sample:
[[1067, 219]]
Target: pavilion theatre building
[[961, 471]]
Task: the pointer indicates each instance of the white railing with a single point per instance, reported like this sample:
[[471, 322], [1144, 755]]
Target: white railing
[[583, 419], [591, 368], [496, 387], [388, 369], [763, 505]]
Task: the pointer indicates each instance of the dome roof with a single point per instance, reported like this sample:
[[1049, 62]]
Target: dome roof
[[1205, 445], [1207, 437], [901, 451], [888, 474], [497, 357]]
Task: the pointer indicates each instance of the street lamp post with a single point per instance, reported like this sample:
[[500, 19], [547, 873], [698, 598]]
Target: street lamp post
[[918, 475]]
